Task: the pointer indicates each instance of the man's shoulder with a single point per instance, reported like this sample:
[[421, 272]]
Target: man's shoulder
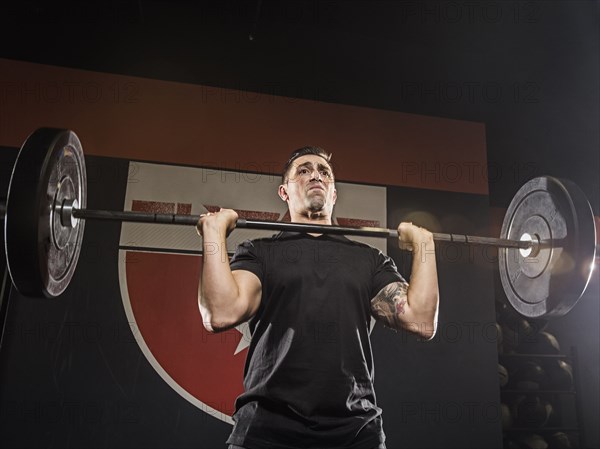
[[261, 241], [268, 239], [359, 245]]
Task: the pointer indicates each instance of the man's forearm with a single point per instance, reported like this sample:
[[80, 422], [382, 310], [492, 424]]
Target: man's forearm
[[423, 292]]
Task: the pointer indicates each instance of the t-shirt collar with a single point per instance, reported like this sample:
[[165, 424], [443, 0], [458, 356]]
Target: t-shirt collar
[[293, 234]]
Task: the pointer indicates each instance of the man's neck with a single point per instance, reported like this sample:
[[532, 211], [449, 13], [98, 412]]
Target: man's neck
[[311, 218]]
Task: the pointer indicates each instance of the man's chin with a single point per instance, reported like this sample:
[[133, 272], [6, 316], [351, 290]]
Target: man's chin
[[316, 206]]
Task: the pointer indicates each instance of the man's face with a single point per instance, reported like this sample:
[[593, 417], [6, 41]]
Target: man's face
[[310, 188]]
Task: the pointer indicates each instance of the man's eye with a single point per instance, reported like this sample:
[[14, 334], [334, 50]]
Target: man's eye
[[326, 173], [303, 171]]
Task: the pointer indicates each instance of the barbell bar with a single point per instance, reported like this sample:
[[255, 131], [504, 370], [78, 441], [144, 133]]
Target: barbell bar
[[546, 252], [192, 220]]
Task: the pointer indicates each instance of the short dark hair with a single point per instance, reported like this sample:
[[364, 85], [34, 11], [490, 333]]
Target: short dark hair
[[318, 151]]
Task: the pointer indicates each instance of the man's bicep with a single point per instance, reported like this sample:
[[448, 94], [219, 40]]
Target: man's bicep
[[390, 305], [250, 292]]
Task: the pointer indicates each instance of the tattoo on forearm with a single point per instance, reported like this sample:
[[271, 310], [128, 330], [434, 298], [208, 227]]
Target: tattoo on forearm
[[389, 304]]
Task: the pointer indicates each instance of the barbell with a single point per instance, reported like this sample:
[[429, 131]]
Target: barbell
[[546, 249]]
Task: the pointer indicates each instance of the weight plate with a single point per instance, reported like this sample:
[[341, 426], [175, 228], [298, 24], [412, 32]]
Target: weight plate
[[42, 253], [549, 282]]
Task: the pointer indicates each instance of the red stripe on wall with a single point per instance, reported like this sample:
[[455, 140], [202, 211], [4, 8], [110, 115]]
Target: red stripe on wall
[[184, 208], [145, 119], [159, 207], [248, 214], [357, 222], [153, 207]]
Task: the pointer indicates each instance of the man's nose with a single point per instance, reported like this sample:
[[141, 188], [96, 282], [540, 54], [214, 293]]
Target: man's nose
[[316, 175]]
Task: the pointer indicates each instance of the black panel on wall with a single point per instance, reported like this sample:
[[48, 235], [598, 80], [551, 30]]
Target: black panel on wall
[[7, 160], [71, 372], [443, 392]]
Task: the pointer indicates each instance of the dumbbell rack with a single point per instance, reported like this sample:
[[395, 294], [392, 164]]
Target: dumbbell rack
[[505, 393]]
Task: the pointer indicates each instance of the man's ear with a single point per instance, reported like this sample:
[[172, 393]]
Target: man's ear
[[334, 196], [282, 192]]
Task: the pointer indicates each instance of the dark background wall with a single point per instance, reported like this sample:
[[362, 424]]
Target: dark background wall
[[528, 70]]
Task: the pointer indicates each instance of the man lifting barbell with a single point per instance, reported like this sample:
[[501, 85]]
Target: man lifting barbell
[[546, 254], [309, 297]]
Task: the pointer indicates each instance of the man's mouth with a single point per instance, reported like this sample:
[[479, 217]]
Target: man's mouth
[[316, 186]]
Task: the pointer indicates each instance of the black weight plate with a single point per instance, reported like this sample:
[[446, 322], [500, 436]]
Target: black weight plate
[[41, 253], [549, 283]]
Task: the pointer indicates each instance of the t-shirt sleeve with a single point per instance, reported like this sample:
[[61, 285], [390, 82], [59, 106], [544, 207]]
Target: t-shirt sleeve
[[246, 258], [385, 273]]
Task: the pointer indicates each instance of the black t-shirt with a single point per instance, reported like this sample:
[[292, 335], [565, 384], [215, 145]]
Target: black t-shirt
[[308, 377]]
